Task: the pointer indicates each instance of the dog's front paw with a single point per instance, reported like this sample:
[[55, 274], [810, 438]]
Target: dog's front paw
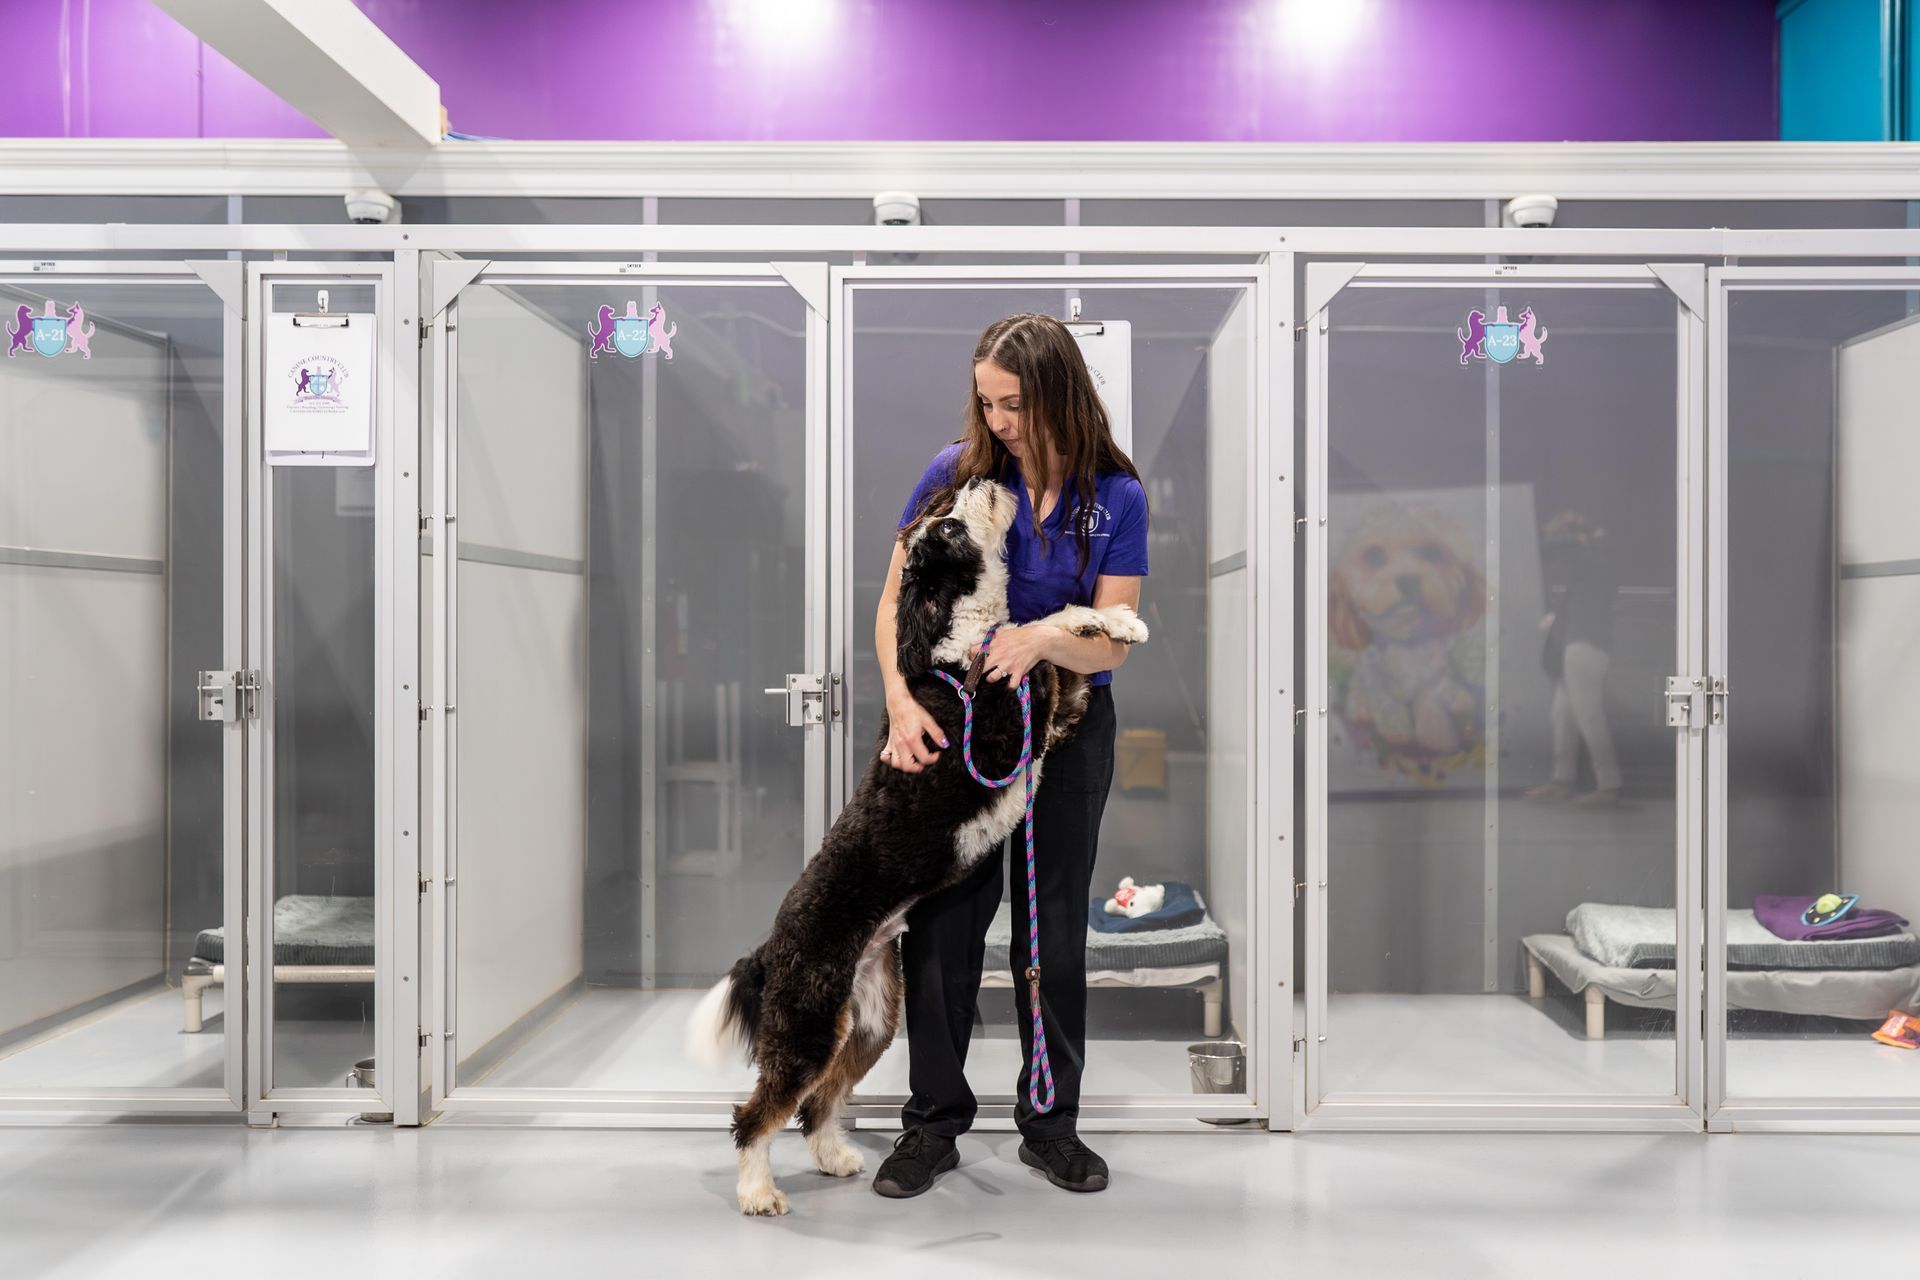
[[764, 1201], [1124, 625], [1077, 620], [842, 1161]]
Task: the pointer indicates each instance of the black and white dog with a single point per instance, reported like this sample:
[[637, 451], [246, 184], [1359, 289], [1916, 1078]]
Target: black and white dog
[[818, 1003]]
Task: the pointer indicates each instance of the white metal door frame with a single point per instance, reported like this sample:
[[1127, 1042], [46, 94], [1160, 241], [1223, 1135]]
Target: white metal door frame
[[396, 737], [1269, 799], [1322, 1109], [445, 280], [222, 278], [1274, 532], [1800, 1113]]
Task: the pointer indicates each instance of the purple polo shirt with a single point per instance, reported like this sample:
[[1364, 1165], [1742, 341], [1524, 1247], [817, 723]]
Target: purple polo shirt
[[1042, 579]]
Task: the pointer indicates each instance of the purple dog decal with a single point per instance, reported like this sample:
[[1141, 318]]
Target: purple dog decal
[[1474, 334], [602, 334], [21, 331], [79, 333], [662, 333]]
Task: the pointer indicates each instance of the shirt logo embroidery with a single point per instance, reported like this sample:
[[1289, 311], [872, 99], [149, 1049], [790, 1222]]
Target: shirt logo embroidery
[[1094, 521]]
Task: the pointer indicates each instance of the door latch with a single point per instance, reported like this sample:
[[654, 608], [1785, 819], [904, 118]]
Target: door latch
[[228, 696], [1696, 701], [1684, 696], [812, 698]]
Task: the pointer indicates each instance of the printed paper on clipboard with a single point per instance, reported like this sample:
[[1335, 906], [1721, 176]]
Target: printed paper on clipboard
[[1107, 346], [319, 391]]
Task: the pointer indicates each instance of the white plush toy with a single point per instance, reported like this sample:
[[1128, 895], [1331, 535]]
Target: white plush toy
[[1135, 900]]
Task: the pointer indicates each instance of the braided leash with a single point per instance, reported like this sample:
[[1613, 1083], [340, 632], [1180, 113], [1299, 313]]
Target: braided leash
[[1041, 1069]]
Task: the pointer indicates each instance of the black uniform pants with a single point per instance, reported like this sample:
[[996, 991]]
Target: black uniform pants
[[944, 948]]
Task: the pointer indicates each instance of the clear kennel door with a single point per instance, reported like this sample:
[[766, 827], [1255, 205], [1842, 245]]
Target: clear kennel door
[[1814, 789], [1181, 355], [332, 512], [122, 723], [632, 704], [1506, 699]]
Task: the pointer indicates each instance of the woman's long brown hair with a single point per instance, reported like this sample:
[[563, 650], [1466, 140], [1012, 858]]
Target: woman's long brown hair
[[1057, 401]]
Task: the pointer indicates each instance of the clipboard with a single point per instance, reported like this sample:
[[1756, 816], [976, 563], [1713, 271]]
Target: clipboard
[[1107, 347], [319, 388]]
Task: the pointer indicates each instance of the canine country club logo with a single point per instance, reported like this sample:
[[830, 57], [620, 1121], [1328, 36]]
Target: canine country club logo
[[318, 383], [1094, 521], [51, 334], [1501, 339], [632, 334]]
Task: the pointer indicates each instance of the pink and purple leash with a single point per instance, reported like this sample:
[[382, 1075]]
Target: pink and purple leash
[[1041, 1069]]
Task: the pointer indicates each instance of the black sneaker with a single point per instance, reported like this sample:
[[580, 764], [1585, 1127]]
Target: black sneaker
[[918, 1158], [1067, 1163]]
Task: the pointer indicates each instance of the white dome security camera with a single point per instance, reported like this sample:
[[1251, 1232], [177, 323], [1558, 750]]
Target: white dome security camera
[[372, 208], [1529, 211], [896, 209]]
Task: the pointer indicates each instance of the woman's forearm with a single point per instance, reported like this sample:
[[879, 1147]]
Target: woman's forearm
[[887, 646]]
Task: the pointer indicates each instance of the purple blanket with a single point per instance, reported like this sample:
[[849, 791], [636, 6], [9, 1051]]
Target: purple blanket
[[1781, 915]]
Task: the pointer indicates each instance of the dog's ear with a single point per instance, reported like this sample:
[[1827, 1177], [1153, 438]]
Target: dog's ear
[[916, 624], [1473, 595], [1343, 621]]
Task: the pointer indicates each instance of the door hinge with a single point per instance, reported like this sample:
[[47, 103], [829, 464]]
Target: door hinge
[[228, 696], [812, 698], [1299, 1043], [422, 1036], [1299, 332], [1696, 701]]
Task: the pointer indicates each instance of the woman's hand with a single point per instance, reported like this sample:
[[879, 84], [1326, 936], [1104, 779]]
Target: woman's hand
[[911, 733], [1017, 650]]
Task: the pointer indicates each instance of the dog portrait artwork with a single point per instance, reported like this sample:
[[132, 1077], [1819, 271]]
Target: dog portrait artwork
[[1406, 599], [815, 1005]]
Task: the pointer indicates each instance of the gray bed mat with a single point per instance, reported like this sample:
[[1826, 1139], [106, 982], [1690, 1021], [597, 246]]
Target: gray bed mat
[[1202, 943], [308, 929], [1642, 938], [1833, 993]]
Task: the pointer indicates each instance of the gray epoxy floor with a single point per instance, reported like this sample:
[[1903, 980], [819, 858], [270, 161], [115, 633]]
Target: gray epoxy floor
[[150, 1201]]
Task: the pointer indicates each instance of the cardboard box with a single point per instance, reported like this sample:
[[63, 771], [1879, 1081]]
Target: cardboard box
[[1141, 760]]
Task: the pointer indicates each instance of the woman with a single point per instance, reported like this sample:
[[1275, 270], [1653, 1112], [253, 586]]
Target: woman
[[1035, 424], [1576, 658]]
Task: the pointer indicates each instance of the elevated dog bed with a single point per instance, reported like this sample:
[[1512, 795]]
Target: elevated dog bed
[[1625, 954], [316, 938], [1190, 956]]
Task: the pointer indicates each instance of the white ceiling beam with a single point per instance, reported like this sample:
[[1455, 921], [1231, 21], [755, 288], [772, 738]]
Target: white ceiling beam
[[56, 242], [1093, 171], [327, 59]]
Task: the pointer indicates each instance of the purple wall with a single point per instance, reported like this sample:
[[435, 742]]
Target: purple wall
[[938, 70]]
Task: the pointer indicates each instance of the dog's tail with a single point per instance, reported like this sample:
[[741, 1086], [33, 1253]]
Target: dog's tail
[[727, 1019]]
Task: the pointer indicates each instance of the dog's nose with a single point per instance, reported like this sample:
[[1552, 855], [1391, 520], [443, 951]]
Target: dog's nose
[[1409, 584]]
